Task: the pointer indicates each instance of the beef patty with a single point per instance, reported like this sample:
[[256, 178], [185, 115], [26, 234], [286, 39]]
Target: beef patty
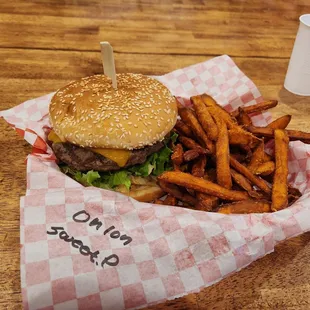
[[83, 159]]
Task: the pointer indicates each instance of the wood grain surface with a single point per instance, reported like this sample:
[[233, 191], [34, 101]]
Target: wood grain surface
[[45, 44]]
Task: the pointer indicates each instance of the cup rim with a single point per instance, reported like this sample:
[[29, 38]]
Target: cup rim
[[298, 93], [302, 19]]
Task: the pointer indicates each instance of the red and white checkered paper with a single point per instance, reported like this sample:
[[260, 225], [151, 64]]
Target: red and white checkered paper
[[174, 251]]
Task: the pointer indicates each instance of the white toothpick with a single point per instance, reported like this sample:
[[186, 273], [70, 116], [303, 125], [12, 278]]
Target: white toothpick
[[108, 62]]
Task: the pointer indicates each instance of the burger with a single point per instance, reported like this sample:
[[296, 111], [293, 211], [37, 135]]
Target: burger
[[118, 139]]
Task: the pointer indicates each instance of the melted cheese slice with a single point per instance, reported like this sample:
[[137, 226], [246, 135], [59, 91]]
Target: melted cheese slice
[[53, 137], [119, 156]]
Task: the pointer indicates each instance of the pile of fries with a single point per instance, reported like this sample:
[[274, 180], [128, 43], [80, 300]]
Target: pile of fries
[[220, 163]]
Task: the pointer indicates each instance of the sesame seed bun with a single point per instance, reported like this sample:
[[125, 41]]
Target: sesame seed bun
[[90, 113]]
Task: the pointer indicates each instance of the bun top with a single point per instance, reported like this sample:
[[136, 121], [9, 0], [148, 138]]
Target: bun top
[[90, 113]]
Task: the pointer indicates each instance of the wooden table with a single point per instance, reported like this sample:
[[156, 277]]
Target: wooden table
[[45, 44]]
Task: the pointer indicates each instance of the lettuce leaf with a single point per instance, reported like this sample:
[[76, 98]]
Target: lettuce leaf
[[156, 164], [173, 137], [94, 178], [118, 178], [87, 179], [162, 161], [142, 170]]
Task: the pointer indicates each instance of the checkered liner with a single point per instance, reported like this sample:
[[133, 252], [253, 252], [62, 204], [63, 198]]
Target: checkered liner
[[171, 251]]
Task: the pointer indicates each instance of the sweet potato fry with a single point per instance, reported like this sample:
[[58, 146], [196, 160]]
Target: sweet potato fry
[[202, 185], [238, 136], [185, 205], [265, 168], [245, 184], [177, 155], [280, 189], [176, 167], [191, 144], [175, 191], [257, 157], [260, 183], [215, 109], [190, 155], [206, 202], [158, 202], [222, 155], [281, 122], [170, 200], [261, 131], [205, 118], [182, 128], [269, 132], [262, 106], [190, 119], [246, 206], [198, 168], [298, 135], [244, 118], [179, 105], [267, 157]]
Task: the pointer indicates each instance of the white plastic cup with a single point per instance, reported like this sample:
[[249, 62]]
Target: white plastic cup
[[297, 79]]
